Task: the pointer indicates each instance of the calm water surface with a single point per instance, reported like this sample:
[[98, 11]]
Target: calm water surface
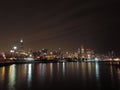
[[83, 75]]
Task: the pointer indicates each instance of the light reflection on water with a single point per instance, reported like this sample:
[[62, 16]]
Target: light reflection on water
[[42, 72], [12, 76], [97, 70], [2, 73], [29, 69], [63, 68], [44, 75]]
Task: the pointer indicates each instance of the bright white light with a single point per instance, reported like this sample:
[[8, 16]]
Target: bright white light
[[51, 53], [12, 51], [29, 74], [12, 76], [96, 59], [14, 47], [97, 70], [63, 68], [21, 40], [116, 59], [30, 55]]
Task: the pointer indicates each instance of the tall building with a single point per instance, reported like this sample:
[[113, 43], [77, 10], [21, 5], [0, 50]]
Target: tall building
[[82, 52], [21, 44]]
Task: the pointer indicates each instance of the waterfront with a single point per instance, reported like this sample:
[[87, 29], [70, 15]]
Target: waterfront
[[83, 75]]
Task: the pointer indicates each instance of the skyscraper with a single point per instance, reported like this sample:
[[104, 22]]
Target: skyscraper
[[82, 52], [21, 45]]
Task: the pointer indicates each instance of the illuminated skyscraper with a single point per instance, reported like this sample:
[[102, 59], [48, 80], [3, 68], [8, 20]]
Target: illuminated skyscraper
[[21, 47], [21, 44], [82, 52]]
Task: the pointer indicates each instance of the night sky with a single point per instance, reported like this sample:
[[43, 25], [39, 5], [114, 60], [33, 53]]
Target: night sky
[[67, 24]]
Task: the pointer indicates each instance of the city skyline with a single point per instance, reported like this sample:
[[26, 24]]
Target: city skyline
[[63, 24], [19, 47]]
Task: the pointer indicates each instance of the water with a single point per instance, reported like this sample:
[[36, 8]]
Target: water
[[83, 75]]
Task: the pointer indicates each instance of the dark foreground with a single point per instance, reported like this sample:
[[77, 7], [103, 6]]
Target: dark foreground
[[60, 76]]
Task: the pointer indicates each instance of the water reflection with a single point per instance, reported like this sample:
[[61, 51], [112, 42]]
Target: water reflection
[[118, 70], [97, 70], [29, 74], [63, 69], [2, 75], [51, 72], [42, 72], [12, 76], [77, 74], [83, 71]]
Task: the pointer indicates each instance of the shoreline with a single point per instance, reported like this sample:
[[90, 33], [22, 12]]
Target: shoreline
[[21, 61]]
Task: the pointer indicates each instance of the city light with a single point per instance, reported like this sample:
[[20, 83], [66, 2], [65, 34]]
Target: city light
[[59, 55], [12, 51], [15, 48]]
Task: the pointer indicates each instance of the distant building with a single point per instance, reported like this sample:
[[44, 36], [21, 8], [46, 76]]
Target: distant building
[[21, 45], [90, 54], [82, 52], [21, 50]]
